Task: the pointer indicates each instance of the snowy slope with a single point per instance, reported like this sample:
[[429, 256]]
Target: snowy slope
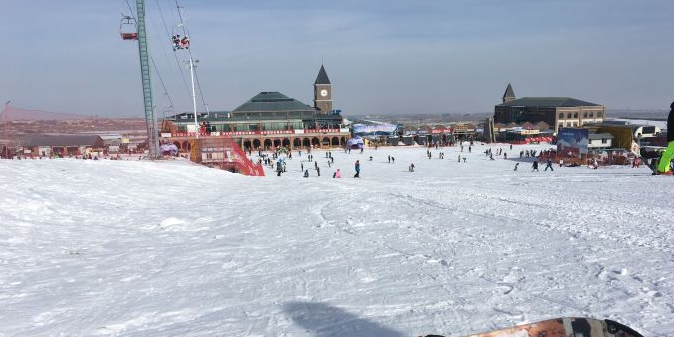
[[137, 248]]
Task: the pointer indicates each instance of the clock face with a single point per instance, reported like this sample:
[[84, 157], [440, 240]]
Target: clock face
[[324, 92]]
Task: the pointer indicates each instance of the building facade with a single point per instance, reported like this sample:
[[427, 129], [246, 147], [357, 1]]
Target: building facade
[[267, 120], [555, 111]]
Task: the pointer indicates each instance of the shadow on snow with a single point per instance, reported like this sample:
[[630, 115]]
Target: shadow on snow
[[323, 320]]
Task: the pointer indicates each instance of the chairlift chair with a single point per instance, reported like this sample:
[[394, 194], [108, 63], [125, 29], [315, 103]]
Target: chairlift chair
[[178, 41], [128, 29]]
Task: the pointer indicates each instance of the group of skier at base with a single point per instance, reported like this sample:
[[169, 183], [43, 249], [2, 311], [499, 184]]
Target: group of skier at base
[[534, 166]]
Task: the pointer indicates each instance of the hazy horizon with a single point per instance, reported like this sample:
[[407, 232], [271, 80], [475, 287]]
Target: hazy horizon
[[382, 57]]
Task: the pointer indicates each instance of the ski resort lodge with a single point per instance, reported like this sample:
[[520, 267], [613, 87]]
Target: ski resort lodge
[[558, 112], [267, 120]]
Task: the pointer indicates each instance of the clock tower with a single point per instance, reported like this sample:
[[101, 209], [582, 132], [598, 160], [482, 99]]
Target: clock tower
[[323, 92]]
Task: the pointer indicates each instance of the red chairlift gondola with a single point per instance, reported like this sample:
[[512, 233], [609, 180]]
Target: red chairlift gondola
[[128, 29]]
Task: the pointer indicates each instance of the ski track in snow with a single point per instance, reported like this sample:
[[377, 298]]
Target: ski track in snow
[[137, 248]]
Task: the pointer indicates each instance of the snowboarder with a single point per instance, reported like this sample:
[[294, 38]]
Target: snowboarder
[[357, 167], [306, 173], [337, 174], [411, 169]]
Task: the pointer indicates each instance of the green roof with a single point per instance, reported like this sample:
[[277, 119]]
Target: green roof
[[556, 102], [272, 102]]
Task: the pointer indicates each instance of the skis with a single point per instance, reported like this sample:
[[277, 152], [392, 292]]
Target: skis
[[563, 327]]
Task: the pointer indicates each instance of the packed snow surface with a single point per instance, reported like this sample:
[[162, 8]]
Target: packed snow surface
[[169, 248]]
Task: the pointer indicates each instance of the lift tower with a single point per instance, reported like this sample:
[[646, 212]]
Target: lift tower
[[141, 35]]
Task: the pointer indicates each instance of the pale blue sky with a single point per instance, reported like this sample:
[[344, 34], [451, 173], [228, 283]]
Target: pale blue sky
[[394, 56]]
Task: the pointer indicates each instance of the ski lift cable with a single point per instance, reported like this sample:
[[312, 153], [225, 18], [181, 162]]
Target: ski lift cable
[[180, 15], [168, 35], [186, 33], [130, 10], [156, 68], [161, 80], [161, 13]]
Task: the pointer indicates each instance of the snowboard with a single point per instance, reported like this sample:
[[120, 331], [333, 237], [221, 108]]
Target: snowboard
[[563, 327]]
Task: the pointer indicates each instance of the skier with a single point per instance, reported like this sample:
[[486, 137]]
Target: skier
[[338, 174], [516, 164], [411, 169], [318, 171], [549, 165], [357, 167], [534, 167], [389, 159], [393, 160]]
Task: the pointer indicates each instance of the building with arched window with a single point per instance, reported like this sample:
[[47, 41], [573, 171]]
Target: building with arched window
[[555, 111], [268, 120]]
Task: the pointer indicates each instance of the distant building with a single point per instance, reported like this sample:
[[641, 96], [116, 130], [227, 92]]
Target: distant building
[[598, 141], [64, 145], [625, 134], [268, 120], [555, 111]]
